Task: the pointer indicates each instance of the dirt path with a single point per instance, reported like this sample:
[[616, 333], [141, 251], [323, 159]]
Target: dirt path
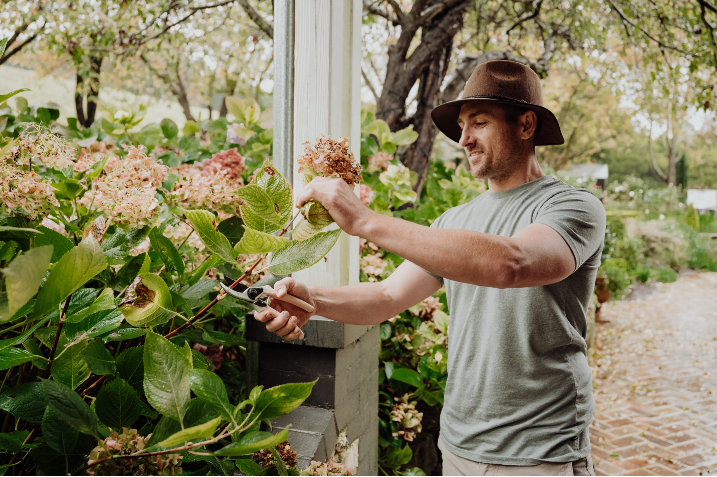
[[655, 379]]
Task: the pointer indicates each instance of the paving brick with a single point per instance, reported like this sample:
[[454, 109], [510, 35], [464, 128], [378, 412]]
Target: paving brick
[[632, 464], [656, 440], [660, 470]]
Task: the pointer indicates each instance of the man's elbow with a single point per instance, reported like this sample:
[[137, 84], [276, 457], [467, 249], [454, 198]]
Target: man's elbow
[[512, 268]]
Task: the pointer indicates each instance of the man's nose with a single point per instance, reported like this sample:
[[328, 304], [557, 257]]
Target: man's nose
[[466, 139]]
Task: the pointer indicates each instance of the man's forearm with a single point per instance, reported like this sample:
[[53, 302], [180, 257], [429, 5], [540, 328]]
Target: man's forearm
[[461, 255], [361, 304]]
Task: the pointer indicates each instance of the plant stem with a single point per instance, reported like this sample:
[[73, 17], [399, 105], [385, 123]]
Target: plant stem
[[101, 378], [222, 294], [57, 337]]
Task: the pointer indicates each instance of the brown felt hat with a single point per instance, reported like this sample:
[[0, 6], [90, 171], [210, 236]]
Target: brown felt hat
[[502, 82]]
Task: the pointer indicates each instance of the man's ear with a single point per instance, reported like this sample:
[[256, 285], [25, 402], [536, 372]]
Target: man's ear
[[528, 123]]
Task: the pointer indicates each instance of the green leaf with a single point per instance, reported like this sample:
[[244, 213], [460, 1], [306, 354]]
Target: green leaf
[[235, 106], [190, 127], [70, 367], [150, 304], [24, 275], [71, 407], [280, 400], [167, 251], [58, 435], [130, 367], [314, 219], [60, 244], [441, 320], [203, 430], [258, 209], [98, 358], [124, 334], [278, 189], [10, 357], [200, 289], [40, 361], [252, 442], [96, 324], [73, 270], [299, 255], [26, 401], [50, 462], [404, 137], [255, 241], [199, 272], [12, 441], [166, 377], [204, 224], [21, 338], [118, 405], [210, 387], [407, 376], [5, 97], [386, 331], [103, 302], [3, 44], [169, 128], [232, 228], [164, 428]]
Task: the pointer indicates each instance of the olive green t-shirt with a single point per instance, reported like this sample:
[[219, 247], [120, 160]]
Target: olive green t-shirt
[[519, 388]]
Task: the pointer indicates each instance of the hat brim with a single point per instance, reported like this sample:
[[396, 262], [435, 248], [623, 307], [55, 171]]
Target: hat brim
[[445, 117]]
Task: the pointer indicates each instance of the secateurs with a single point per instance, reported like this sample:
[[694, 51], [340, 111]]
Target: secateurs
[[262, 296]]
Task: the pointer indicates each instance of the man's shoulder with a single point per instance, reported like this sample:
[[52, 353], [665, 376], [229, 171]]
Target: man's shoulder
[[447, 218]]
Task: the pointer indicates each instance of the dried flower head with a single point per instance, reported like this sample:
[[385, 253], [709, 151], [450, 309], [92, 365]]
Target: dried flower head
[[426, 308], [91, 155], [125, 193], [328, 468], [265, 457], [407, 419], [373, 266], [38, 144], [209, 187], [329, 158], [24, 193], [230, 161], [128, 442]]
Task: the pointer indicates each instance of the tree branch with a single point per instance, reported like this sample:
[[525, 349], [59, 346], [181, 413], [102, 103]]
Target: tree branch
[[369, 7], [263, 25], [520, 21], [370, 86], [626, 20]]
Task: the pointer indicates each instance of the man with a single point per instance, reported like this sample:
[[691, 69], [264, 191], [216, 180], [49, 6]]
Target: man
[[519, 265]]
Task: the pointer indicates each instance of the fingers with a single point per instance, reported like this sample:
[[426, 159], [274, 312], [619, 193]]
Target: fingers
[[296, 334], [284, 286], [281, 323], [289, 327]]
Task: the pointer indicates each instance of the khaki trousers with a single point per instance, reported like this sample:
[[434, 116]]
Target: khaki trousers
[[455, 465]]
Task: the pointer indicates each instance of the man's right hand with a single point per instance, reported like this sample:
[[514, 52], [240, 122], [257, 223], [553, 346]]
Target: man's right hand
[[283, 318]]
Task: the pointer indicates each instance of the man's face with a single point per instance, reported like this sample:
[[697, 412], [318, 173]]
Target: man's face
[[492, 144]]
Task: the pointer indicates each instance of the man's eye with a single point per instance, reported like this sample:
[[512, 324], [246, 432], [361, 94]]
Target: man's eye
[[480, 124]]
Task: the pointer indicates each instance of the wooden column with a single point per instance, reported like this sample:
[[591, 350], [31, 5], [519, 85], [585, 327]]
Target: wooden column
[[344, 358]]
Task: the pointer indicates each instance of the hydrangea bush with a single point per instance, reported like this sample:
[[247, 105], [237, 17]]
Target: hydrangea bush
[[118, 352]]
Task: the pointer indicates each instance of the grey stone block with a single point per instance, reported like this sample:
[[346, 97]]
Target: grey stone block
[[318, 332], [311, 435]]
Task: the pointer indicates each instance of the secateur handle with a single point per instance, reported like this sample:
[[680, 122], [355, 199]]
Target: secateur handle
[[267, 290]]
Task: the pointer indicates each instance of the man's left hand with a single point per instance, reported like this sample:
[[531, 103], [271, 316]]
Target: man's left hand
[[345, 208]]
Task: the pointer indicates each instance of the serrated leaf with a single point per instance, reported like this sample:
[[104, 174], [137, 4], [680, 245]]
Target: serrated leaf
[[73, 270], [258, 209], [200, 289], [60, 244], [314, 219], [216, 242], [71, 407], [118, 405], [130, 367], [98, 358], [103, 302], [232, 228], [278, 189], [70, 367], [96, 324], [280, 400], [58, 435], [203, 430], [50, 462], [254, 241], [10, 357], [33, 347], [209, 386], [24, 275], [252, 442], [151, 304], [124, 334], [167, 251], [12, 441], [299, 255], [21, 338], [26, 401], [166, 377]]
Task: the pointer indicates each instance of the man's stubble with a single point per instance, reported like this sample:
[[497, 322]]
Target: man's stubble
[[498, 166]]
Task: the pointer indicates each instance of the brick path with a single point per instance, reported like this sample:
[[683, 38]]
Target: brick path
[[655, 380]]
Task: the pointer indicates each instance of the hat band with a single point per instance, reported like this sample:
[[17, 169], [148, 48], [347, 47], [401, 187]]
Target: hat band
[[495, 96]]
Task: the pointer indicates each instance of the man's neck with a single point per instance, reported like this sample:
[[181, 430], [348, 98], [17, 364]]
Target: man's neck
[[528, 170]]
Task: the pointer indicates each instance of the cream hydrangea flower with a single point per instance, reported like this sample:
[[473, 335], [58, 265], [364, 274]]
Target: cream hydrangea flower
[[39, 144], [25, 193]]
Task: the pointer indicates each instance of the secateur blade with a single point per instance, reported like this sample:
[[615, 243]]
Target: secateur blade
[[242, 292]]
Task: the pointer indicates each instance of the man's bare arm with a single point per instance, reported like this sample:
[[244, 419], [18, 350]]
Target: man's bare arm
[[361, 304], [535, 256]]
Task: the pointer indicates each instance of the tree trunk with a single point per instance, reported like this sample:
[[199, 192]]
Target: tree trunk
[[427, 64], [87, 91], [176, 86], [672, 168], [231, 84], [418, 155]]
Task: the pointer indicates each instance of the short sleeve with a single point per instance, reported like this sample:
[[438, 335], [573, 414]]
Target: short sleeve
[[579, 217]]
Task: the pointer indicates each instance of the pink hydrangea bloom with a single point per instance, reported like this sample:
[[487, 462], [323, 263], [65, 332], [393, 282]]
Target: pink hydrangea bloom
[[366, 194], [379, 162]]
